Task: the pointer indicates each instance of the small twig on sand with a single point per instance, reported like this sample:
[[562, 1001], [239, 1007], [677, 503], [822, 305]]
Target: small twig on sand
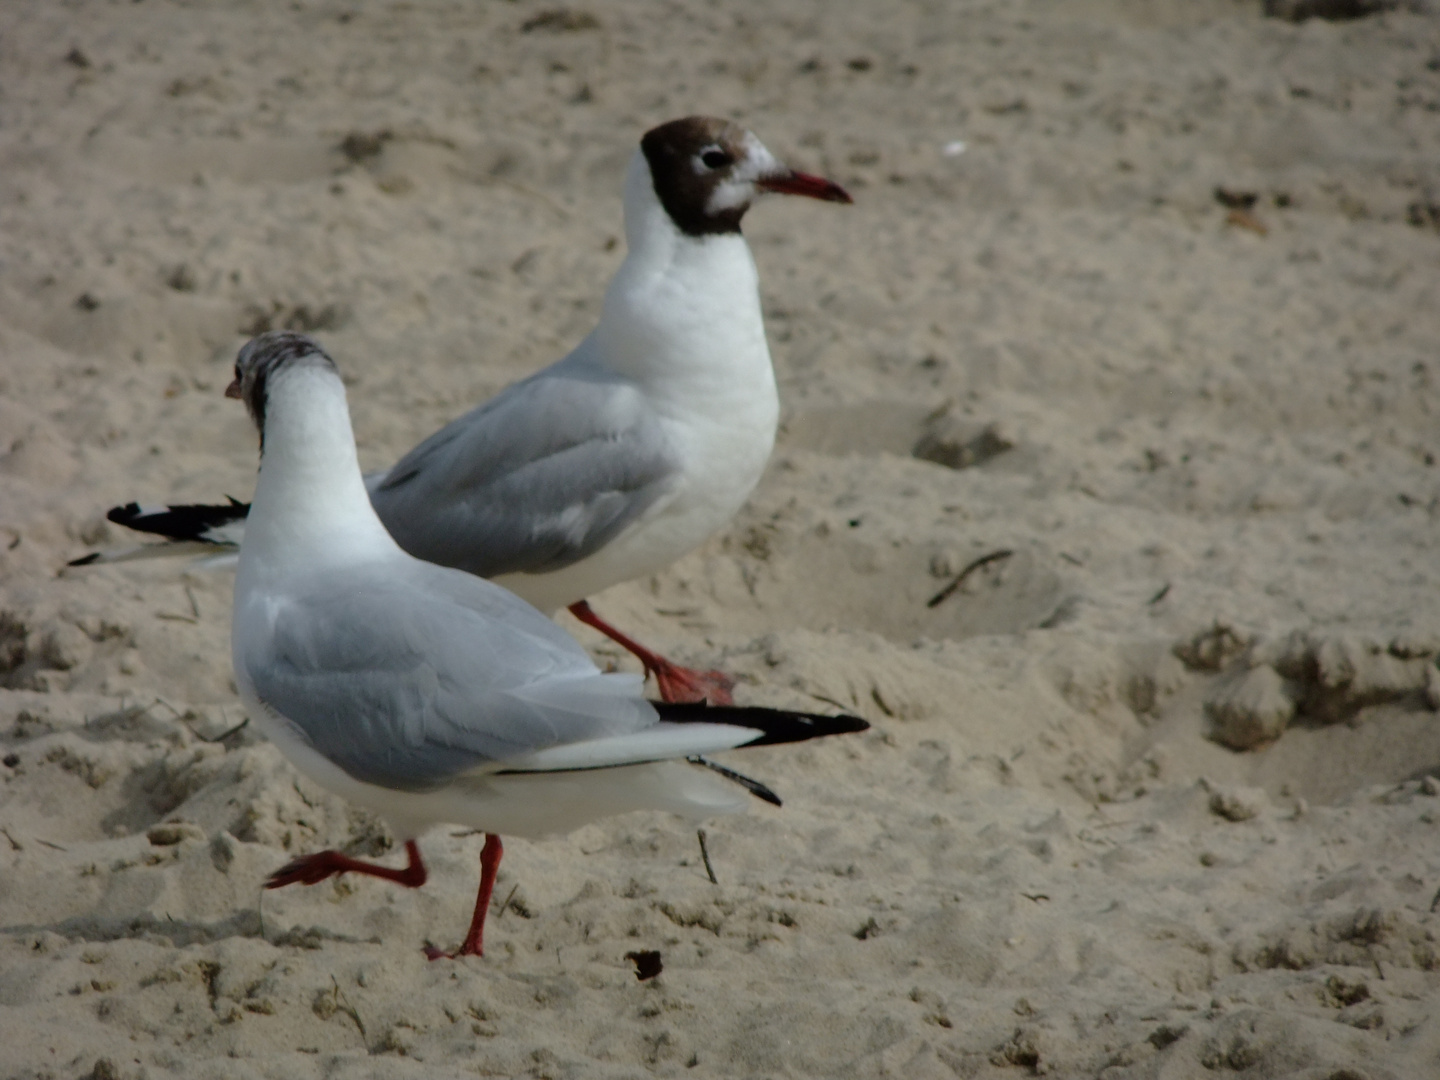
[[506, 905], [347, 1008], [222, 736], [705, 855], [949, 590], [831, 701]]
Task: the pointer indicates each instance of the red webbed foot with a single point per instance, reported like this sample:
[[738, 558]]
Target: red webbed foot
[[474, 943], [313, 869], [676, 683], [682, 684]]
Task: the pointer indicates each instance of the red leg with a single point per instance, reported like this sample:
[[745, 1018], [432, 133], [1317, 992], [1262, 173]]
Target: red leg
[[310, 869], [675, 683], [474, 944]]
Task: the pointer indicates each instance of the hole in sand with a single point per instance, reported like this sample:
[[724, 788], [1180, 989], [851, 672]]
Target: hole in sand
[[939, 434]]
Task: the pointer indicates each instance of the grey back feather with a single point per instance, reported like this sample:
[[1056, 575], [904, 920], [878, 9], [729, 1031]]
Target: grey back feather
[[406, 677], [533, 480]]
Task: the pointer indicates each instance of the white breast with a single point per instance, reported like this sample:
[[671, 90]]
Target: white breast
[[682, 319]]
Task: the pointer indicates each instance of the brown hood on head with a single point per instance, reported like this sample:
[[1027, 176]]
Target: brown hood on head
[[692, 158]]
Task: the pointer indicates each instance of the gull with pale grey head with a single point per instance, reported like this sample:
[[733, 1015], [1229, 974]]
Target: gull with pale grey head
[[633, 449], [429, 695]]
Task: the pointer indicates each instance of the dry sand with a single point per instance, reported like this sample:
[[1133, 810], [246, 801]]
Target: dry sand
[[1208, 438]]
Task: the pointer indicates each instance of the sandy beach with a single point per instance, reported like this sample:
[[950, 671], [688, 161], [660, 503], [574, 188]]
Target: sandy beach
[[1125, 357]]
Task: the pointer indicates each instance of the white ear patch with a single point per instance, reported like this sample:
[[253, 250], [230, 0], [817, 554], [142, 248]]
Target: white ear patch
[[737, 190]]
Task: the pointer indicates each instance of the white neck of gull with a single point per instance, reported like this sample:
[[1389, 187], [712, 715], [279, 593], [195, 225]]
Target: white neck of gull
[[682, 313], [310, 498]]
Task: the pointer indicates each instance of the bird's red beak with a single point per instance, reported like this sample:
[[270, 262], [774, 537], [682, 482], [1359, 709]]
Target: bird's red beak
[[799, 183], [233, 390]]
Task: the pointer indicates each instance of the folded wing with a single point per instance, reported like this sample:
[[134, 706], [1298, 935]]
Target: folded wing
[[405, 682], [533, 480]]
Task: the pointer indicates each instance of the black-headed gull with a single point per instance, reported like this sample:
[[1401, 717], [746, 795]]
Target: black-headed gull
[[427, 694], [632, 450]]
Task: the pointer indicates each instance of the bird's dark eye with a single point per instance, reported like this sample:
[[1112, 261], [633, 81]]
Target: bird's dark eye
[[715, 159]]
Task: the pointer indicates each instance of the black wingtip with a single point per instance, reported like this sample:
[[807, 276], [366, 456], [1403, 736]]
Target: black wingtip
[[755, 787], [85, 560], [123, 515], [778, 725], [191, 521], [844, 724]]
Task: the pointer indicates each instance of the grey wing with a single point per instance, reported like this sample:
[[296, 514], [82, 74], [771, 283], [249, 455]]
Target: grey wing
[[405, 683], [533, 480]]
